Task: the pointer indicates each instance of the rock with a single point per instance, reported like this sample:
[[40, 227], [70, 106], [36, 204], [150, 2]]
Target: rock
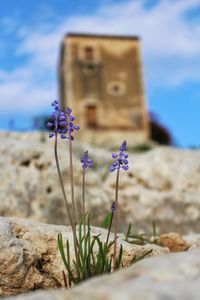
[[193, 240], [161, 184], [173, 241], [30, 260], [174, 277]]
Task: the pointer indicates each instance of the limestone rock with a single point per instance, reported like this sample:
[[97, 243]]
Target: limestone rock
[[193, 240], [174, 277], [161, 184], [29, 258]]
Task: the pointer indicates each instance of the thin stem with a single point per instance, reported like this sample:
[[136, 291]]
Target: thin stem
[[83, 204], [109, 229], [72, 180], [116, 219], [65, 197], [65, 279], [61, 180]]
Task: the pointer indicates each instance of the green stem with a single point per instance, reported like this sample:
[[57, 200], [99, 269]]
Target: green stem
[[109, 229], [116, 219], [72, 224], [83, 199], [61, 180], [72, 180]]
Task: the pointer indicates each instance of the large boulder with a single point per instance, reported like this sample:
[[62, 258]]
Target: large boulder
[[161, 184], [174, 277], [30, 260]]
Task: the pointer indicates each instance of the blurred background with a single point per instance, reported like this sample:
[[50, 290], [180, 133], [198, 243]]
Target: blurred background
[[31, 33]]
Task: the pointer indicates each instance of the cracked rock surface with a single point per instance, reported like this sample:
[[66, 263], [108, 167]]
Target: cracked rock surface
[[161, 184], [29, 259], [169, 277]]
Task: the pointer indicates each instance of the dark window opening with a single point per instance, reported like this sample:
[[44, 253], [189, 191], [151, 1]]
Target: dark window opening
[[89, 53], [91, 116], [91, 67], [115, 88]]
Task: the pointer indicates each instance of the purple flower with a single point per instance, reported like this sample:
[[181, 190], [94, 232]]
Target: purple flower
[[86, 161], [121, 159], [70, 126], [62, 122], [58, 122], [113, 207]]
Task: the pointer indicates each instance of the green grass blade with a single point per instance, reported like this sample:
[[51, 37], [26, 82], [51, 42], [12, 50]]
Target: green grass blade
[[119, 258], [66, 262], [137, 258], [128, 232], [154, 231]]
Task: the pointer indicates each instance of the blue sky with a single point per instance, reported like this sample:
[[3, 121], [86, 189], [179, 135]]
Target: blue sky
[[31, 32]]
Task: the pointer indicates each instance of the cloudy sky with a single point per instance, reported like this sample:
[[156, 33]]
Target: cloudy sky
[[30, 36]]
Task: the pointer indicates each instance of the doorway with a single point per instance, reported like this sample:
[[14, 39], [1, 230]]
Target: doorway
[[91, 117]]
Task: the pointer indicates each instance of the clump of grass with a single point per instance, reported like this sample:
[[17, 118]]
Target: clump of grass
[[94, 256], [143, 238]]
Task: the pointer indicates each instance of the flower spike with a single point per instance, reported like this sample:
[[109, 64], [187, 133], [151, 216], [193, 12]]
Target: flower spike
[[121, 159], [58, 122]]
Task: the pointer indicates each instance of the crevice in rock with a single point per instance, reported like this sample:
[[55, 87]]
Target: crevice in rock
[[42, 166], [40, 266], [25, 163], [49, 190]]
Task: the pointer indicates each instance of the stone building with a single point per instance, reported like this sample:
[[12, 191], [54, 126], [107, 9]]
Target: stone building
[[101, 79]]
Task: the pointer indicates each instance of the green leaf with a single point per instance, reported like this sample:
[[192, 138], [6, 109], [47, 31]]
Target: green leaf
[[137, 258], [154, 231], [128, 232], [66, 262], [119, 258]]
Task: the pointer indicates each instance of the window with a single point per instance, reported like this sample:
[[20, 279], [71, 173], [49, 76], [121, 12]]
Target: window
[[89, 54], [91, 116], [116, 88]]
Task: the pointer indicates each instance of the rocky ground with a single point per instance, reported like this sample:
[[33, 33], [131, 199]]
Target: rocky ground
[[169, 277], [161, 184], [29, 260]]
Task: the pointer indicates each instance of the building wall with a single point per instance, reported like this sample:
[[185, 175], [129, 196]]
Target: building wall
[[101, 80]]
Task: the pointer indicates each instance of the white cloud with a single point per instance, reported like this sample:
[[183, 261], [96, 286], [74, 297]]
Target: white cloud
[[170, 46], [21, 91], [163, 29]]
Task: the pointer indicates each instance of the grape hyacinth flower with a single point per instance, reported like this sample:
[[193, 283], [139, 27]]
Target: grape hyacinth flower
[[121, 162], [121, 159], [70, 125], [58, 122], [86, 163]]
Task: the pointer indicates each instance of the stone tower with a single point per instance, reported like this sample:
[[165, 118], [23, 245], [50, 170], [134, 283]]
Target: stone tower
[[101, 80]]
